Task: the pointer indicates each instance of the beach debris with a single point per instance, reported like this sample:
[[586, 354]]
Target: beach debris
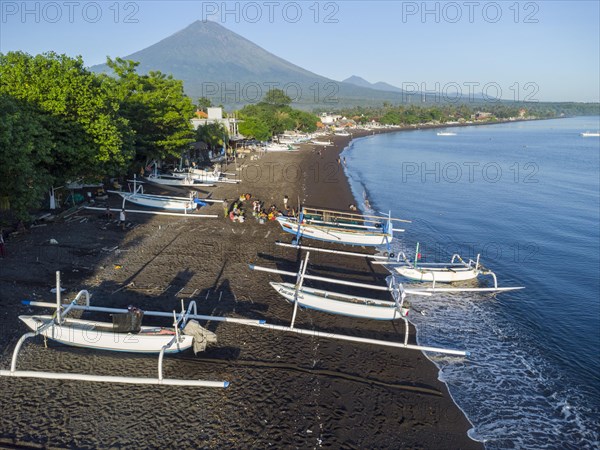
[[118, 266], [53, 242], [123, 287]]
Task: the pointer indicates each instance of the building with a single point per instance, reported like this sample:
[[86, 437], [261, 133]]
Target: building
[[215, 115]]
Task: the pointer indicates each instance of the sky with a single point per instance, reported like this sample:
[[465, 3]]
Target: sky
[[525, 51]]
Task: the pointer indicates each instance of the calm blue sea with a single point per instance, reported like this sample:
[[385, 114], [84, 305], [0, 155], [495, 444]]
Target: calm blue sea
[[526, 197]]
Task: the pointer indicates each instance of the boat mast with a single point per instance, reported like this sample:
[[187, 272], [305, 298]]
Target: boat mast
[[416, 255], [58, 300]]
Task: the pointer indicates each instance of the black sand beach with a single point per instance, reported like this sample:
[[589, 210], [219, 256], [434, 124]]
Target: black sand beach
[[286, 391]]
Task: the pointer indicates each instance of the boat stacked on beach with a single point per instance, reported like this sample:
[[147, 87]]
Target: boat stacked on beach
[[346, 228], [124, 334], [202, 176], [174, 205]]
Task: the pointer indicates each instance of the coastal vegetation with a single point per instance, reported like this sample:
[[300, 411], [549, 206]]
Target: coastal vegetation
[[273, 115], [399, 115], [60, 122]]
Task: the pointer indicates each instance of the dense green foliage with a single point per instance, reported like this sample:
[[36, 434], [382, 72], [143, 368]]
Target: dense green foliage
[[26, 148], [156, 109], [274, 115], [59, 122], [82, 118], [214, 134]]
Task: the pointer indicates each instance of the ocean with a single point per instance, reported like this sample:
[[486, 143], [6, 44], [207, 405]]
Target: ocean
[[526, 197]]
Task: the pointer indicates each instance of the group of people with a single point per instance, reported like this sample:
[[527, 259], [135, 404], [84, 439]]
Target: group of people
[[236, 211]]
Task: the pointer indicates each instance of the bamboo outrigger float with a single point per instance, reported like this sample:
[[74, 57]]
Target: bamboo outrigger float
[[341, 227], [457, 270]]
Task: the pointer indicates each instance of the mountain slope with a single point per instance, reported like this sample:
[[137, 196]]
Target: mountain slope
[[380, 85], [214, 62]]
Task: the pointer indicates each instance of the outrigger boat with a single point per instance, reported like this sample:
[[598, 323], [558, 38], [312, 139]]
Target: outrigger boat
[[349, 306], [204, 176], [184, 204], [102, 335], [457, 270], [340, 227], [124, 335], [336, 303], [167, 180]]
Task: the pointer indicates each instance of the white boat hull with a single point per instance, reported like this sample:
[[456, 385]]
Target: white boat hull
[[335, 234], [99, 336], [345, 305], [157, 202], [202, 176], [439, 275], [175, 181]]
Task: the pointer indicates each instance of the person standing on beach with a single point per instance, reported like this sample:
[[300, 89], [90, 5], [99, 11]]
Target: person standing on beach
[[285, 201], [225, 208], [122, 219]]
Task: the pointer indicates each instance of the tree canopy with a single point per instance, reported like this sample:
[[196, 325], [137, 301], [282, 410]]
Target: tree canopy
[[59, 122], [273, 115]]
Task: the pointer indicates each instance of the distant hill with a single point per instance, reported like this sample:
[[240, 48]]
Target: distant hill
[[217, 63], [380, 85]]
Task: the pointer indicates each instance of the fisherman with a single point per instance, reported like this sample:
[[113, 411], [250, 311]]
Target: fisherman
[[285, 201]]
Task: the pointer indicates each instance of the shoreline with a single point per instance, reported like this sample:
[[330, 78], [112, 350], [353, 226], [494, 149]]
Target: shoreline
[[340, 145], [286, 390]]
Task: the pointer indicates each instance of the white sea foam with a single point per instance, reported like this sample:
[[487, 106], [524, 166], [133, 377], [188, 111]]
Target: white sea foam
[[509, 391]]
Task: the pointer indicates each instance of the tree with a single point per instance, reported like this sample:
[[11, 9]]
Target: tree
[[254, 127], [26, 149], [155, 107], [276, 97], [204, 103], [304, 121], [212, 133], [88, 134]]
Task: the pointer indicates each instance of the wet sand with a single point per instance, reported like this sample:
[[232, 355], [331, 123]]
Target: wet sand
[[286, 391]]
